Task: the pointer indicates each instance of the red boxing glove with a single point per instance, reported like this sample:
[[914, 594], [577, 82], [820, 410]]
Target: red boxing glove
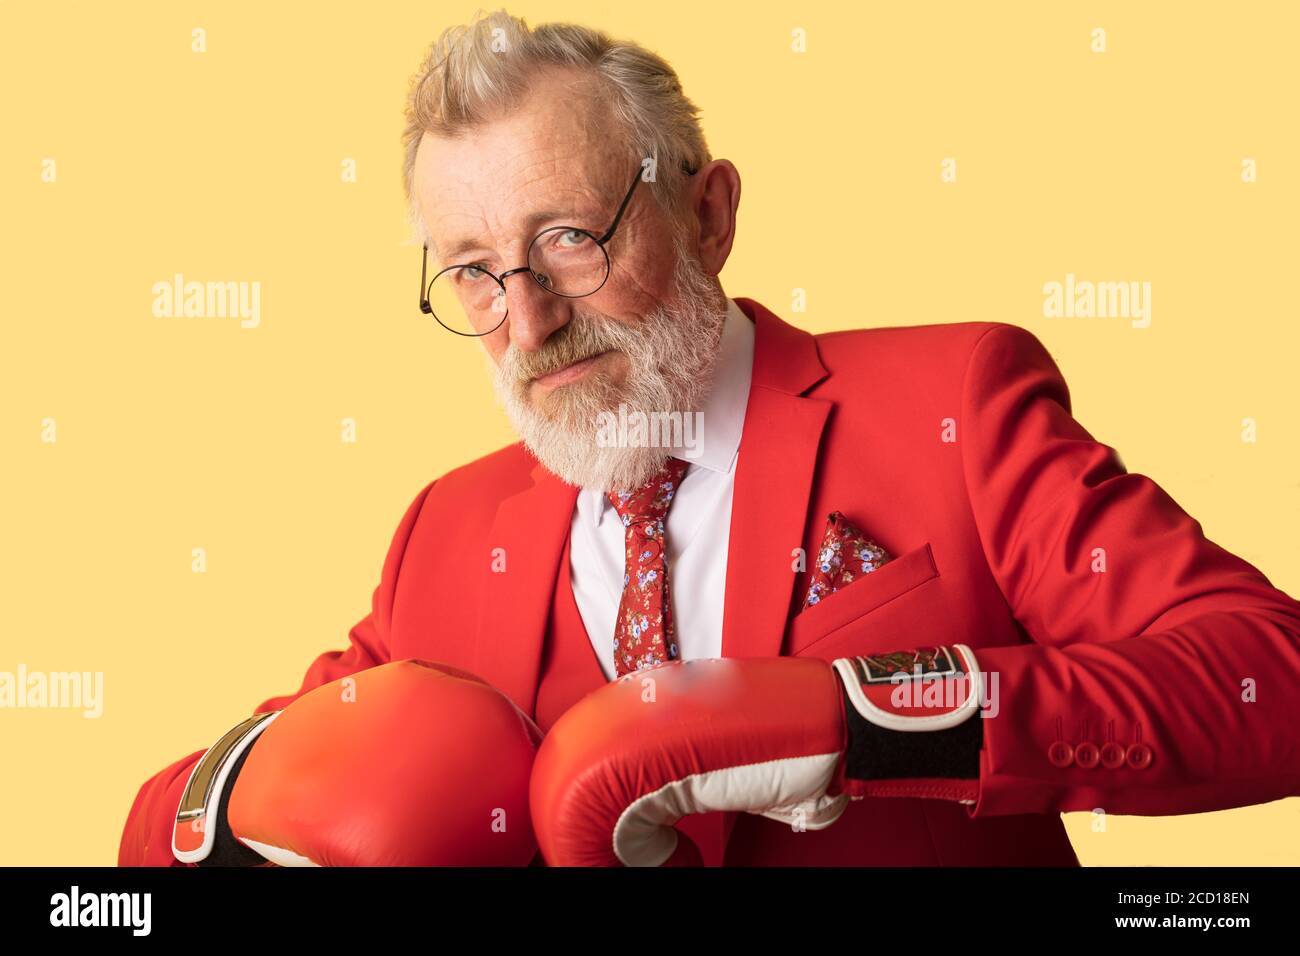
[[405, 764], [793, 739]]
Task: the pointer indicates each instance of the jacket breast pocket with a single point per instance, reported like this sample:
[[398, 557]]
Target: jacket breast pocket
[[856, 600]]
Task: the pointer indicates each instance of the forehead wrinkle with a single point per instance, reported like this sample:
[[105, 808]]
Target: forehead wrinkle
[[579, 203], [536, 155]]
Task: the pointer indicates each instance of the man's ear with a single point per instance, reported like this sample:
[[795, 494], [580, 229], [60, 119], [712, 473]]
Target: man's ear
[[715, 194]]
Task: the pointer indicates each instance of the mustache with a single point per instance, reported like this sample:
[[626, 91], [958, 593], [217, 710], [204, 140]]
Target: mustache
[[581, 338]]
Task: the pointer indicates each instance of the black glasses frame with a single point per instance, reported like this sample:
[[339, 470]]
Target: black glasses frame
[[541, 280]]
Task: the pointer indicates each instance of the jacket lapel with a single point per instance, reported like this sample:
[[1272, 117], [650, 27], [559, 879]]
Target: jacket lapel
[[531, 528], [774, 478]]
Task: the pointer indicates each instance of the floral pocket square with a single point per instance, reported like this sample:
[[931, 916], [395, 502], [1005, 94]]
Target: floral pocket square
[[845, 555]]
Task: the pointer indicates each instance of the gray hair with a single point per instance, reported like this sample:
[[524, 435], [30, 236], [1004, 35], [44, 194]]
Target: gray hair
[[473, 70]]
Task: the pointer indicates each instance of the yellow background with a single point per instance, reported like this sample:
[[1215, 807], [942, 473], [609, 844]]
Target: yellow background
[[178, 433]]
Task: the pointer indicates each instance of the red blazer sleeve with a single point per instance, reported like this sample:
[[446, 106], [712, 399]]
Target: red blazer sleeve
[[1177, 646], [147, 836]]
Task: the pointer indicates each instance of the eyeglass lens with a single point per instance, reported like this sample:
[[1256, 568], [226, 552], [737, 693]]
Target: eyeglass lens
[[564, 260]]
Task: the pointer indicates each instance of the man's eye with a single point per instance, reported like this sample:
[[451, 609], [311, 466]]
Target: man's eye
[[572, 238], [472, 273]]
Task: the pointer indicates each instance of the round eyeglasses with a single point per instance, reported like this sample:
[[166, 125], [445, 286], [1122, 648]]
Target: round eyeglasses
[[566, 261]]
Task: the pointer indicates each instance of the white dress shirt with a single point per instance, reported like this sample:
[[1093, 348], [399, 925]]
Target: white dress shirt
[[698, 526]]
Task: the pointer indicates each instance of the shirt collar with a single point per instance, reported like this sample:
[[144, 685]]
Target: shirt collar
[[722, 419]]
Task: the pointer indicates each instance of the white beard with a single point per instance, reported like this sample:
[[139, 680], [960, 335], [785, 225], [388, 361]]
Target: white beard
[[671, 356]]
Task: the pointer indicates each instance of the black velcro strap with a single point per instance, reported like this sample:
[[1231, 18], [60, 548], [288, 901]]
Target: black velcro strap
[[878, 753], [226, 849]]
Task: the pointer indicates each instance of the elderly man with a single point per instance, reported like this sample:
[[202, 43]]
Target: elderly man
[[713, 623]]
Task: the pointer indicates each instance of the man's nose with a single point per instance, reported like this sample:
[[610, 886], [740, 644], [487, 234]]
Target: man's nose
[[534, 313]]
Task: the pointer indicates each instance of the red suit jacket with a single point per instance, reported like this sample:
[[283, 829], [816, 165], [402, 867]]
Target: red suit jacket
[[1097, 601]]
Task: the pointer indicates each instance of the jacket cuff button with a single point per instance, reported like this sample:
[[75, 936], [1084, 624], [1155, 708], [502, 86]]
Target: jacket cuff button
[[1060, 754]]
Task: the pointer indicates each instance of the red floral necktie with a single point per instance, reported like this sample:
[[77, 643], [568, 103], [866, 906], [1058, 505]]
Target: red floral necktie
[[643, 633]]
